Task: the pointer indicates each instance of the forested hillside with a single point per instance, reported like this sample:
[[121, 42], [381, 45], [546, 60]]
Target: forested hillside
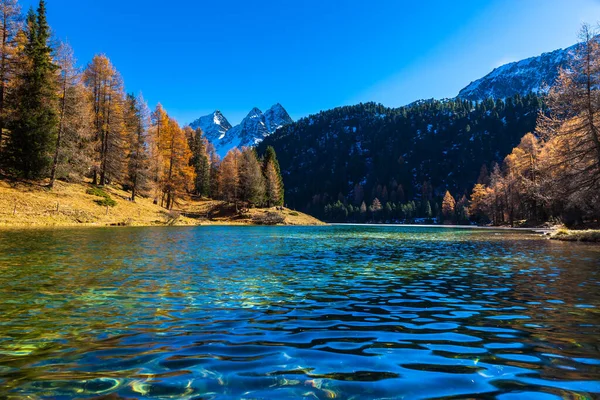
[[62, 122], [365, 152]]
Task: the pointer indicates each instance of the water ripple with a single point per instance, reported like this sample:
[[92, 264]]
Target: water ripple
[[328, 312]]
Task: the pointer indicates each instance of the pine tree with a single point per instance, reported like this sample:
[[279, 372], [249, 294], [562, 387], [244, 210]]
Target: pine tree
[[252, 181], [137, 121], [35, 122], [201, 163], [274, 181], [462, 210], [428, 212], [10, 13], [215, 161]]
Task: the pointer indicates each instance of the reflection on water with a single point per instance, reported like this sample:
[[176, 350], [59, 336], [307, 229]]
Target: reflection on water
[[327, 312]]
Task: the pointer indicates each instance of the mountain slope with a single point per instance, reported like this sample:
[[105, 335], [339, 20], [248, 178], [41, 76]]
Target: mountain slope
[[369, 151], [276, 117], [214, 126], [533, 74], [252, 130]]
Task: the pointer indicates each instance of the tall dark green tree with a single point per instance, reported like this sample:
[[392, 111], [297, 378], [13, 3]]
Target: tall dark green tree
[[201, 163], [137, 122], [274, 182], [34, 125]]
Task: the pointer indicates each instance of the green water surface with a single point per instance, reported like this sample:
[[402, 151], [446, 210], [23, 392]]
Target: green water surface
[[344, 312]]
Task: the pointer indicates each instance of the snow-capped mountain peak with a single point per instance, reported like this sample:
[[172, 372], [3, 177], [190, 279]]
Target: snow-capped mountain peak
[[276, 117], [534, 74], [251, 131], [214, 126], [254, 113]]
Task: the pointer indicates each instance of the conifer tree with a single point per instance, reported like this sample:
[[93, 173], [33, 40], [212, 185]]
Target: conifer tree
[[73, 151], [201, 163], [274, 181], [252, 181], [177, 173], [137, 121], [10, 13], [107, 99], [428, 212], [35, 122], [159, 120], [375, 208], [363, 211], [462, 210], [448, 206], [572, 131], [272, 185], [478, 209], [215, 162], [229, 176]]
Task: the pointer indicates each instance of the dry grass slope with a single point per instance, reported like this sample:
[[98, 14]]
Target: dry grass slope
[[26, 204], [590, 235]]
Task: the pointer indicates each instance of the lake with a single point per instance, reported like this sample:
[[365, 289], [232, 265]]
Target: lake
[[344, 312]]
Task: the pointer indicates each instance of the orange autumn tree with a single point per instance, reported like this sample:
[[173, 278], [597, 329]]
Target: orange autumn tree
[[177, 174], [448, 206], [107, 96], [229, 176], [159, 121]]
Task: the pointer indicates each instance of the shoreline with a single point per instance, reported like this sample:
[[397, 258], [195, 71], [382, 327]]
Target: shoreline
[[184, 225], [534, 230]]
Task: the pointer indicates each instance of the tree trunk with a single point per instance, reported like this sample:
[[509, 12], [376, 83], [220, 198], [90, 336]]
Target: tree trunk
[[59, 135], [3, 79]]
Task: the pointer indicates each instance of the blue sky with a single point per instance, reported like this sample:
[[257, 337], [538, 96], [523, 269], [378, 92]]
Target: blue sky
[[197, 56]]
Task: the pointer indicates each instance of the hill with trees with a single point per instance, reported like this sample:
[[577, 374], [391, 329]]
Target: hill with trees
[[370, 162], [62, 123]]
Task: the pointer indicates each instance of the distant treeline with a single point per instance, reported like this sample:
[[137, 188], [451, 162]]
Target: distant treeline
[[415, 153], [60, 122]]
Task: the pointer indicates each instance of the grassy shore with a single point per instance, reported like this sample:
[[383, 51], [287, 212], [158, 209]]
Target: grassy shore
[[30, 204], [567, 235]]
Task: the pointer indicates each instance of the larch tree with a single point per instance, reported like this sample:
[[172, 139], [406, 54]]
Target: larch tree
[[479, 209], [448, 206], [10, 22], [274, 181], [74, 145], [107, 98], [573, 128], [376, 208], [34, 122], [159, 120], [252, 181], [272, 185], [229, 176], [177, 174]]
